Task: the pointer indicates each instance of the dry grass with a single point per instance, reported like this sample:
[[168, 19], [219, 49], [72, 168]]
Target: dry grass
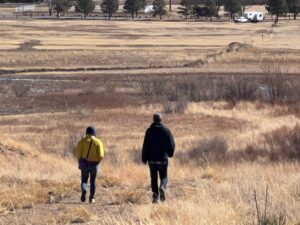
[[212, 187], [104, 44], [40, 127], [73, 215]]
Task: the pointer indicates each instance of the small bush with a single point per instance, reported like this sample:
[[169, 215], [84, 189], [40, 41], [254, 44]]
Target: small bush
[[267, 217], [249, 154], [21, 90], [278, 89], [176, 107], [239, 88], [168, 107], [153, 88], [276, 219], [284, 143], [206, 152], [181, 105]]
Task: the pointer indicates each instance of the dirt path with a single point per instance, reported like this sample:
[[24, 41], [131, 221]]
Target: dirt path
[[111, 203], [69, 209]]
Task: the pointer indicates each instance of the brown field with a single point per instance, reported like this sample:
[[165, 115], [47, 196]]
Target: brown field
[[57, 77]]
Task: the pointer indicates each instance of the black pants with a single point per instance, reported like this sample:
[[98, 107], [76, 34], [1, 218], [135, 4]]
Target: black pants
[[161, 169], [90, 171]]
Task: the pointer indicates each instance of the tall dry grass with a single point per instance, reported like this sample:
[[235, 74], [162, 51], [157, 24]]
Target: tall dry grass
[[209, 193]]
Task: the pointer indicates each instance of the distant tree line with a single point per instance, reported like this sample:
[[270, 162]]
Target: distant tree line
[[211, 8], [187, 8]]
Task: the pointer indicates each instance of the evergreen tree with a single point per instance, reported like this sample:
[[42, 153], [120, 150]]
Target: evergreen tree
[[277, 8], [185, 8], [211, 8], [140, 5], [233, 7], [133, 6], [85, 6], [159, 8], [61, 6], [199, 11], [294, 7], [110, 7], [246, 3]]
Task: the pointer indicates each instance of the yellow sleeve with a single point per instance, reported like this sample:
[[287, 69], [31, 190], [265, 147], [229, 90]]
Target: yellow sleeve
[[79, 150], [101, 150]]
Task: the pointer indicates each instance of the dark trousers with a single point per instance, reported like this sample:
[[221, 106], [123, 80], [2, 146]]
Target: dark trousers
[[89, 172], [160, 169]]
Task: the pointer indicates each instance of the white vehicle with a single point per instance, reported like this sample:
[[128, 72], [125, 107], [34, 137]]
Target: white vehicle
[[254, 16], [241, 19], [148, 9], [25, 8]]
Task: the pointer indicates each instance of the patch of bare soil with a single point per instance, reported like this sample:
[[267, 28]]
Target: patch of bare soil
[[29, 45], [8, 151]]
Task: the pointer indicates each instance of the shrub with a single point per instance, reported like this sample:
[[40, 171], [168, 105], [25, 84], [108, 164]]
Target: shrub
[[176, 107], [153, 88], [274, 87], [277, 88], [168, 107], [284, 143], [206, 152], [240, 88], [20, 89], [268, 218], [195, 90], [181, 105], [249, 154]]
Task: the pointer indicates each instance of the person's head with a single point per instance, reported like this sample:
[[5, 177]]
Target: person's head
[[157, 117], [91, 131]]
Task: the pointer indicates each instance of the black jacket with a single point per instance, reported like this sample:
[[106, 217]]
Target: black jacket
[[158, 144]]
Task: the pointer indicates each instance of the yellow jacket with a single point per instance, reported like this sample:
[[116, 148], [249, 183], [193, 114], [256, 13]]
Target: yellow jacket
[[96, 153]]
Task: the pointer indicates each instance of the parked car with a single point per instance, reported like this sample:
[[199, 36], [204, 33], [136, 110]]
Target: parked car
[[241, 19]]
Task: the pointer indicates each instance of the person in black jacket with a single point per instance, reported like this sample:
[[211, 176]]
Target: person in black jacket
[[158, 146]]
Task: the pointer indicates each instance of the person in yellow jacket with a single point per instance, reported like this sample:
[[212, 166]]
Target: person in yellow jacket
[[89, 152]]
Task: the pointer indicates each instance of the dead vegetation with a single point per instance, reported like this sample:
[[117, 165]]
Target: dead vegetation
[[73, 215], [234, 117]]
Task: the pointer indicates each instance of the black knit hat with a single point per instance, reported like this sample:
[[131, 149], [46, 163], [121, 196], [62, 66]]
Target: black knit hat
[[157, 117], [91, 131]]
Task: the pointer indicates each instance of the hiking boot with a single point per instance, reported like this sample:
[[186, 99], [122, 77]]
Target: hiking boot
[[154, 200], [92, 200], [82, 199], [162, 194]]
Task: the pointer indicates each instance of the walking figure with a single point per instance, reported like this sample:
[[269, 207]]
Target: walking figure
[[90, 152], [158, 146]]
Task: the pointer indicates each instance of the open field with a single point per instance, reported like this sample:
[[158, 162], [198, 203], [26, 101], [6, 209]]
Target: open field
[[212, 81], [130, 45]]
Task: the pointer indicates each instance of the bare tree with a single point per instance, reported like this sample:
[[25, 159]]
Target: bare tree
[[50, 6]]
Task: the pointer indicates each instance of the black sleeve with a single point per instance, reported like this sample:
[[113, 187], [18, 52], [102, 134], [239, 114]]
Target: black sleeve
[[171, 143], [145, 148]]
